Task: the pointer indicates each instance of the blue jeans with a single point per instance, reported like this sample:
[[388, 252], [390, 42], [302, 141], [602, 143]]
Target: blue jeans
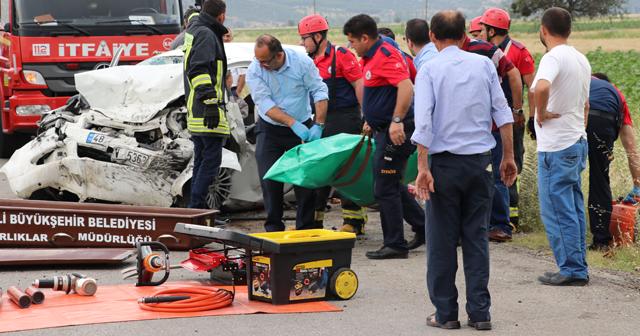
[[207, 157], [562, 206], [500, 205]]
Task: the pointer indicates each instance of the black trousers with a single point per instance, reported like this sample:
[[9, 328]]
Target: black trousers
[[459, 211], [272, 141], [396, 203], [601, 135]]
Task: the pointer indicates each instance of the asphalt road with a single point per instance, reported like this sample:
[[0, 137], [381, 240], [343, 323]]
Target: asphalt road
[[392, 298]]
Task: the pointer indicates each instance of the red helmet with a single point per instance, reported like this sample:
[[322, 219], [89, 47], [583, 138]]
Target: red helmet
[[496, 18], [312, 24], [474, 25]]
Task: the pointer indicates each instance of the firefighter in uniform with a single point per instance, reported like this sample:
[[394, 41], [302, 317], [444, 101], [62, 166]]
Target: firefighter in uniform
[[495, 29], [387, 105], [342, 74], [205, 66], [609, 117]]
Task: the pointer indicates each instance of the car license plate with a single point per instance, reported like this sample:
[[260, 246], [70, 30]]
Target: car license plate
[[98, 138], [136, 158]]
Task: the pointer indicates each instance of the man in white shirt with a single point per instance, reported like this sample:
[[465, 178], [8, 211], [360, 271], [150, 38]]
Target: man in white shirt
[[561, 90]]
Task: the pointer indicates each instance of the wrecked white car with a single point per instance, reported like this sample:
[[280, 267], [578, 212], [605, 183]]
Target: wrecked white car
[[128, 143]]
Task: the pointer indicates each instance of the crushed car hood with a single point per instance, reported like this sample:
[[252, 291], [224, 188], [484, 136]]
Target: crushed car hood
[[131, 93]]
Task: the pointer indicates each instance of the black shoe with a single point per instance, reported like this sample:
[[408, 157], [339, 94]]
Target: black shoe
[[448, 325], [479, 325], [557, 279], [417, 241], [386, 253]]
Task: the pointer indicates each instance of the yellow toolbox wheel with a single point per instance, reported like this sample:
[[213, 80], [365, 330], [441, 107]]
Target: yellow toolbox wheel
[[344, 283]]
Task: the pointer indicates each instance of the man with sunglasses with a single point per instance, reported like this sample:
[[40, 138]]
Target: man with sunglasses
[[281, 81], [342, 74]]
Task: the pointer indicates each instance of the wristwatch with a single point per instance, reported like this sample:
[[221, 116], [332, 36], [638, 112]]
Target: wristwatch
[[320, 125], [518, 112], [396, 119]]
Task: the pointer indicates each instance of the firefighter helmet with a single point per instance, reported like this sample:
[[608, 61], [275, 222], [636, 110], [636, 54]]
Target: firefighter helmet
[[312, 24], [496, 18]]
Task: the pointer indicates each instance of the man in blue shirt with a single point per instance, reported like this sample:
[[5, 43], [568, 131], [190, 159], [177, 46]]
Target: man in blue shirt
[[458, 180], [280, 81], [416, 34]]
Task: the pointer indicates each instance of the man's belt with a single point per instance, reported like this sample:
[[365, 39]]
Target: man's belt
[[603, 114], [449, 153]]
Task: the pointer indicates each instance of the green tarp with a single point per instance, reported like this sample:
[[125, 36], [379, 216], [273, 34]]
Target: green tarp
[[344, 161]]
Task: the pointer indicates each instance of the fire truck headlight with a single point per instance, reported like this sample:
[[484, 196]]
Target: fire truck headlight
[[34, 77], [24, 110]]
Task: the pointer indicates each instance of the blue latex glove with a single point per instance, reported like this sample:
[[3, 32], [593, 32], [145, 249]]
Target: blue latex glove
[[635, 192], [300, 130], [315, 133]]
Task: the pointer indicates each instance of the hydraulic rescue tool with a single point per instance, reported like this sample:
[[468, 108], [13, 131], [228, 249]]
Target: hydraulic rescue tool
[[150, 263], [74, 282]]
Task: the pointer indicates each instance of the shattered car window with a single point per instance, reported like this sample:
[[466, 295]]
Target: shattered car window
[[163, 60]]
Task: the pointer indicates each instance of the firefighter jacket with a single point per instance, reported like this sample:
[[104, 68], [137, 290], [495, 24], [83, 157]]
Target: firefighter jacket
[[205, 68]]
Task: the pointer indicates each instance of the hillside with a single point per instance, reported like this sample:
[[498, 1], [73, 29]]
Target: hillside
[[280, 13]]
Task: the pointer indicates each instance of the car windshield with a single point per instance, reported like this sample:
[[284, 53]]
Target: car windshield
[[92, 12]]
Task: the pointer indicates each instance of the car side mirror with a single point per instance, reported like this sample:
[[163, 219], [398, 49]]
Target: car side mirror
[[7, 27]]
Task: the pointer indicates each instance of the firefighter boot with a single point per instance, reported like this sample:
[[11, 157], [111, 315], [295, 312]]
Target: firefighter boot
[[354, 218]]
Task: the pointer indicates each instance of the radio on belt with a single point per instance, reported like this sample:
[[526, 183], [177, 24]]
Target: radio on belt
[[291, 266]]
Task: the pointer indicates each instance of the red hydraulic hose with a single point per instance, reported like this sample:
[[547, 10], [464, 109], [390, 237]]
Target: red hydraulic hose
[[202, 299]]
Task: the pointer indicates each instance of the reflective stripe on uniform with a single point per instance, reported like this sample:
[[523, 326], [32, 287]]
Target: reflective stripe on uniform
[[355, 214], [197, 125], [219, 79], [201, 79], [318, 216], [513, 212], [192, 16]]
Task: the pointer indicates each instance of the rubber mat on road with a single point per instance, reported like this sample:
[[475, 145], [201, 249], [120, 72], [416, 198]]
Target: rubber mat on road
[[119, 304]]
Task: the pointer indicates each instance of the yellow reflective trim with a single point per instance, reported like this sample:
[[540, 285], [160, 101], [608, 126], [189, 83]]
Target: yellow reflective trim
[[219, 79], [361, 211], [192, 16], [211, 101], [318, 215], [188, 39], [201, 78]]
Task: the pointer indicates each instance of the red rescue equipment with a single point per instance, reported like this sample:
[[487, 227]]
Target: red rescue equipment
[[623, 220]]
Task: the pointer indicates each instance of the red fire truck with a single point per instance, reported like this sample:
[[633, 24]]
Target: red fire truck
[[43, 43]]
